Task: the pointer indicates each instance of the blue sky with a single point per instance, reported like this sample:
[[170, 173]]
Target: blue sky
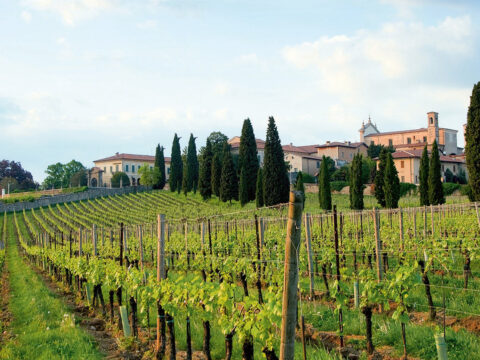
[[83, 79]]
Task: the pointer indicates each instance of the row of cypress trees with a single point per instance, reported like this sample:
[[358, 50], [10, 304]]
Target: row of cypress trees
[[431, 189], [246, 182]]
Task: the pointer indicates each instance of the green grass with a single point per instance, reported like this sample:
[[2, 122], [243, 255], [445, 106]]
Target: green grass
[[37, 314]]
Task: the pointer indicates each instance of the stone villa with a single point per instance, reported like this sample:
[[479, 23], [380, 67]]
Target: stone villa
[[101, 174]]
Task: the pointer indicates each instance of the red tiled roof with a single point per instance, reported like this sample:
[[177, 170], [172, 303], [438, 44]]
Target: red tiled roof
[[309, 148], [291, 148], [417, 153], [353, 145], [123, 156]]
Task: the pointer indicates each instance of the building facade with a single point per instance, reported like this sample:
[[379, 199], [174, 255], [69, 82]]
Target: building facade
[[101, 175], [413, 139], [407, 163], [341, 152]]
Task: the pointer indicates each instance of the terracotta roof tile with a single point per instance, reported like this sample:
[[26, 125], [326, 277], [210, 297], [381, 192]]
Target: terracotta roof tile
[[124, 156]]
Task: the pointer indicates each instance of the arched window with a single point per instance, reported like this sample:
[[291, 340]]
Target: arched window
[[431, 120], [93, 182]]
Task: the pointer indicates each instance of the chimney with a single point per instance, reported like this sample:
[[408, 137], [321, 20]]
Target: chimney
[[328, 142]]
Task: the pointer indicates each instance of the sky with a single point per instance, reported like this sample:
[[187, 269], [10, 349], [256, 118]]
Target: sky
[[83, 79]]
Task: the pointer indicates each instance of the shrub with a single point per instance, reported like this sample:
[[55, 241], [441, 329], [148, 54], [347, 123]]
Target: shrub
[[449, 188], [466, 190], [338, 185], [309, 179], [407, 189]]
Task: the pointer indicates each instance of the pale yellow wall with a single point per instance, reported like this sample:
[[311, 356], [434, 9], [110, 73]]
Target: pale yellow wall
[[107, 175], [397, 138], [341, 153]]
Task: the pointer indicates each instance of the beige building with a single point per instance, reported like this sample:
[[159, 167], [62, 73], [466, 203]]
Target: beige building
[[413, 139], [301, 159], [341, 152], [101, 174], [407, 163]]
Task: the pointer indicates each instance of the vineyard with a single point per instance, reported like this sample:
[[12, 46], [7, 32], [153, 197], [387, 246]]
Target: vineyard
[[172, 275]]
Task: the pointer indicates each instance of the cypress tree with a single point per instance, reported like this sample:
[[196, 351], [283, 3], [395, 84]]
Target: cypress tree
[[380, 178], [205, 180], [176, 166], [435, 188], [275, 177], [472, 142], [324, 192], [216, 174], [423, 188], [259, 190], [248, 161], [228, 181], [356, 184], [243, 187], [192, 166], [300, 186], [392, 183]]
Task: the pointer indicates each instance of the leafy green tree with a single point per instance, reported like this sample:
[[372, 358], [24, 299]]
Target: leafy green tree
[[449, 177], [248, 161], [149, 177], [160, 164], [342, 174], [120, 178], [259, 191], [435, 188], [216, 174], [69, 169], [55, 174], [191, 169], [380, 178], [373, 151], [79, 179], [176, 166], [472, 142], [356, 184], [324, 192], [218, 140], [391, 184], [9, 184], [205, 180], [424, 169], [275, 177], [228, 180]]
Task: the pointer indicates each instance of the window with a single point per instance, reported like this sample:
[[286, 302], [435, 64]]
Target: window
[[403, 178], [295, 170], [351, 155], [372, 143], [443, 167], [111, 169], [424, 139], [390, 142], [454, 169], [402, 164], [116, 168], [126, 168], [168, 171], [318, 164], [409, 140], [133, 168], [431, 120]]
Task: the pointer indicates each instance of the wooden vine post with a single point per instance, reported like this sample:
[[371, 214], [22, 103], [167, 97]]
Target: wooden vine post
[[308, 241], [337, 276], [160, 276], [290, 279], [378, 247]]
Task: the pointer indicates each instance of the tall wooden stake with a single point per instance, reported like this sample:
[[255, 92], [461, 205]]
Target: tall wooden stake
[[290, 279]]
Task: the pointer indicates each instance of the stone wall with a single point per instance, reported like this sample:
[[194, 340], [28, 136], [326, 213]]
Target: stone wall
[[57, 199]]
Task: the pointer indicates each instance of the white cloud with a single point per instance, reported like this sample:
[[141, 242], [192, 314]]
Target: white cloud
[[147, 24], [221, 88], [71, 11], [26, 16], [388, 71]]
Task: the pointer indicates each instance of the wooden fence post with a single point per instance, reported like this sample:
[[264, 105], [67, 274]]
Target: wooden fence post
[[290, 279]]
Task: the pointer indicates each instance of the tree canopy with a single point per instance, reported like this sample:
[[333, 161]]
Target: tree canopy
[[14, 170], [176, 166], [59, 175], [472, 142], [120, 178], [248, 163], [149, 176], [160, 164]]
